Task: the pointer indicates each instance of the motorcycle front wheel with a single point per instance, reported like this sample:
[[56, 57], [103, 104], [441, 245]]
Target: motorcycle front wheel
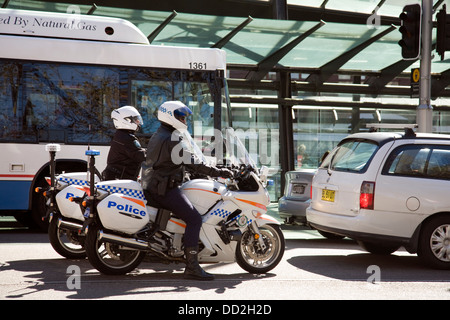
[[256, 259], [110, 258]]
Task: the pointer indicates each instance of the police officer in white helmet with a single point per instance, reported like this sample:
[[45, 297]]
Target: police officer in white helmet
[[162, 177], [126, 154]]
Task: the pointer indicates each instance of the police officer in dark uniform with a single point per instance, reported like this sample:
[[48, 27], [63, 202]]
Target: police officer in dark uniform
[[126, 154], [162, 176]]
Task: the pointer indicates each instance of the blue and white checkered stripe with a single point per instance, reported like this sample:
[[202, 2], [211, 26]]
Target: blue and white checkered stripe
[[221, 213], [225, 213], [128, 192], [77, 182]]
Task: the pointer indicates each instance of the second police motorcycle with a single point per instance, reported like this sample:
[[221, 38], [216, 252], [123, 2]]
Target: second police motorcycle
[[119, 229]]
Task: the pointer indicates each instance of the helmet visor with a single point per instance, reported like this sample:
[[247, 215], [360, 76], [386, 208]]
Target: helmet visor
[[137, 120], [181, 113]]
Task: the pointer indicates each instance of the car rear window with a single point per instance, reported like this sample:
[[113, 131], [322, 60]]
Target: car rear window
[[427, 161], [351, 156]]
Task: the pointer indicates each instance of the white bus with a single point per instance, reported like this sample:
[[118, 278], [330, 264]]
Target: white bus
[[61, 76]]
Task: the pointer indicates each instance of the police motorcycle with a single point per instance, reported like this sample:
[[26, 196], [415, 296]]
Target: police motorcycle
[[64, 210], [125, 228]]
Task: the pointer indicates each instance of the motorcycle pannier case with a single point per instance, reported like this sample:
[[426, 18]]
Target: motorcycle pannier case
[[124, 210], [68, 208]]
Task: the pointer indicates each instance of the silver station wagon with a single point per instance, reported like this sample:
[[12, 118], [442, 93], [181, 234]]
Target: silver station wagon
[[387, 190]]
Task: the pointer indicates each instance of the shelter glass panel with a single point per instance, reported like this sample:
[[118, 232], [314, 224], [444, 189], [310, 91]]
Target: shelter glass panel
[[258, 128]]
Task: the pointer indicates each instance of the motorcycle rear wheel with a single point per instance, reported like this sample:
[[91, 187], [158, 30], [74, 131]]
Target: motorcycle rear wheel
[[110, 258], [254, 259], [66, 242]]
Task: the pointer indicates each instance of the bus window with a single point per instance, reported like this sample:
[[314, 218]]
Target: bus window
[[11, 115], [73, 103], [147, 96], [197, 97], [59, 103]]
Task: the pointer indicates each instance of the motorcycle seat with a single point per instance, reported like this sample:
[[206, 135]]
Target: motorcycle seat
[[150, 201]]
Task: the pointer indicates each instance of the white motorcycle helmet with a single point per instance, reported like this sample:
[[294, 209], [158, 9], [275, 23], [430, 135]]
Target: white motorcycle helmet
[[127, 118], [174, 113]]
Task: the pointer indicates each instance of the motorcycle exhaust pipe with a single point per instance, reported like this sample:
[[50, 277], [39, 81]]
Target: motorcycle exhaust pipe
[[127, 242], [69, 225]]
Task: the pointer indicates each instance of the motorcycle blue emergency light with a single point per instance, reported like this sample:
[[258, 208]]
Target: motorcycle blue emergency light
[[92, 152]]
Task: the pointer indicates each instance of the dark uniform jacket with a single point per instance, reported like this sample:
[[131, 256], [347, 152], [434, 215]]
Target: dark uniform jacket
[[125, 156], [160, 172]]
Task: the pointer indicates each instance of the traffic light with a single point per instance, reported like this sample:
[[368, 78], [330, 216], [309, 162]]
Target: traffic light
[[410, 29], [443, 32]]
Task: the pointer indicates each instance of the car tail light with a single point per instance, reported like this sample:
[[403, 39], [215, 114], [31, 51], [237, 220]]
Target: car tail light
[[366, 197]]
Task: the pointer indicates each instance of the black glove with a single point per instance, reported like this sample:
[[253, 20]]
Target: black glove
[[225, 173]]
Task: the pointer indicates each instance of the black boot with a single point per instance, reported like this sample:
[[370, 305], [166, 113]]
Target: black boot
[[193, 269]]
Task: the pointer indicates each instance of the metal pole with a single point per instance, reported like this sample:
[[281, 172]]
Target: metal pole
[[424, 112], [280, 12]]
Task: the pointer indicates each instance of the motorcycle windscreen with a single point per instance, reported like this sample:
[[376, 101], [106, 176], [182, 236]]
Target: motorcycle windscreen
[[225, 149], [236, 152]]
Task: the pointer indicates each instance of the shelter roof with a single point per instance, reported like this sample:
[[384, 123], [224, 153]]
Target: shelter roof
[[320, 38]]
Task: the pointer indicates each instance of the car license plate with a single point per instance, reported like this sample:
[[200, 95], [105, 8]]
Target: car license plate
[[298, 188], [328, 195]]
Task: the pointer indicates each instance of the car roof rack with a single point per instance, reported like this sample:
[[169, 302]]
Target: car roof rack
[[408, 127]]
